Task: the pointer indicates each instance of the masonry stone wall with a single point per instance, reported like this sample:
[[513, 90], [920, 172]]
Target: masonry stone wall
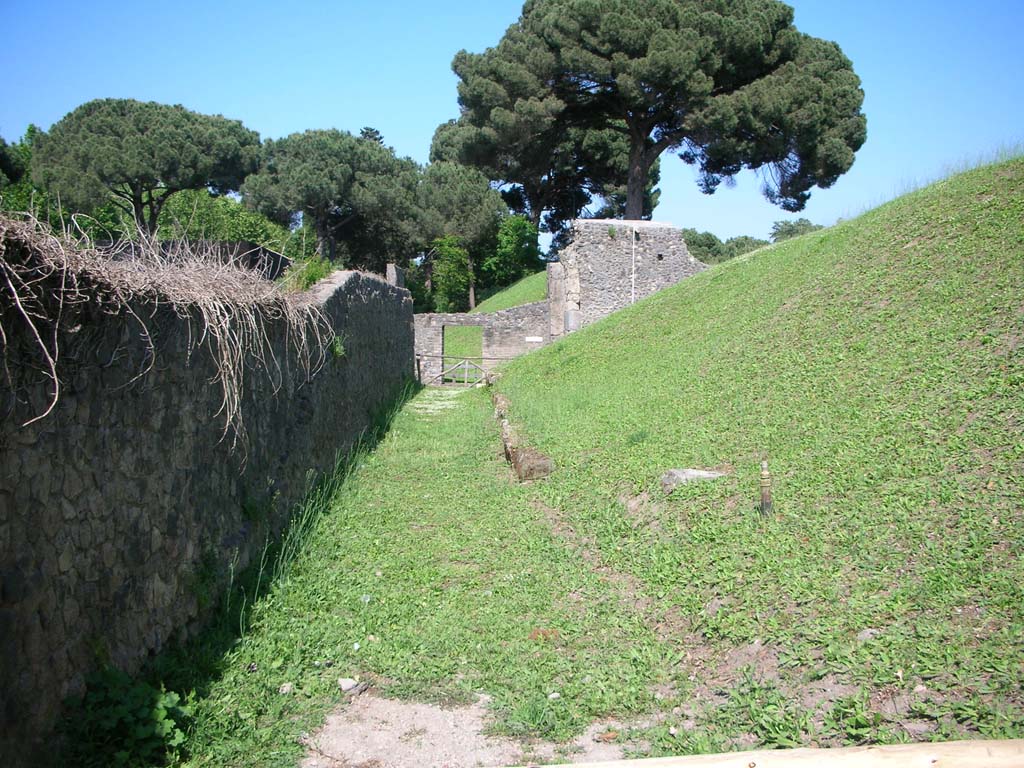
[[507, 333], [513, 332], [556, 299], [113, 505], [610, 264]]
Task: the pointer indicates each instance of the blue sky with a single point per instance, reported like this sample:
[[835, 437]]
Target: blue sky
[[944, 81]]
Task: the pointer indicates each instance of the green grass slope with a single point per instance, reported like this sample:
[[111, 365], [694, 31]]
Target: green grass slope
[[878, 366], [526, 291]]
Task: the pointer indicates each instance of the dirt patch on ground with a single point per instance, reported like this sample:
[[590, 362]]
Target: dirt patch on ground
[[374, 732]]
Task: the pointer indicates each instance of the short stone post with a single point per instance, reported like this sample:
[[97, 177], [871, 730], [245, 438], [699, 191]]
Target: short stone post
[[766, 489]]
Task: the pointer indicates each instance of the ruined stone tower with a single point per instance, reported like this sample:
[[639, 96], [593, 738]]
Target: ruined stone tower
[[610, 264]]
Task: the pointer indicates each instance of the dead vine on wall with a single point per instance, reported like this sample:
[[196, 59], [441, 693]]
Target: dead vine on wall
[[52, 284]]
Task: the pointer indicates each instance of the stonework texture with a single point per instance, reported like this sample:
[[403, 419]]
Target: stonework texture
[[609, 264], [506, 334], [119, 508]]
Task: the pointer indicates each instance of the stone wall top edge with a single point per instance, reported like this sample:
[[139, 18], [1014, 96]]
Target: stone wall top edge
[[326, 288], [519, 309], [621, 223], [426, 317], [477, 318]]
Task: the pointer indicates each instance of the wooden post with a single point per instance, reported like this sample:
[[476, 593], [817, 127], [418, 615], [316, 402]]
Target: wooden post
[[766, 489], [465, 371]]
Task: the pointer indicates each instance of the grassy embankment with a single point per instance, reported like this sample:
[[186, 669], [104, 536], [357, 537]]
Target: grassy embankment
[[877, 365]]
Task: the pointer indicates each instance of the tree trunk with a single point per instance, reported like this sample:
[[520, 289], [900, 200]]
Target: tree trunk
[[636, 183], [324, 240], [154, 206], [139, 210], [535, 204], [472, 282]]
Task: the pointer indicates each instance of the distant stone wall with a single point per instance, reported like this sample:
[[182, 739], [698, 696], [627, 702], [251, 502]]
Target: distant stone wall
[[610, 264], [516, 331], [118, 508], [506, 334]]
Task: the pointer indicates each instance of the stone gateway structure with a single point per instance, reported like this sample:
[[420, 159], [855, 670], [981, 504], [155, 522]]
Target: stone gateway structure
[[609, 264]]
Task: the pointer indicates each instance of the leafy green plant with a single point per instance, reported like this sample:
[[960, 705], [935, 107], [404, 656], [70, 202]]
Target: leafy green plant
[[338, 345], [303, 275], [534, 716], [766, 713], [126, 722], [852, 719]]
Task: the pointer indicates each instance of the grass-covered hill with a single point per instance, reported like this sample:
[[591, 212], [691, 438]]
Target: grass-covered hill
[[879, 367]]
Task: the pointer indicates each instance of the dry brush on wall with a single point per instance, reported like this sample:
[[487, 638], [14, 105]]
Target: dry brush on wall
[[160, 416], [50, 284]]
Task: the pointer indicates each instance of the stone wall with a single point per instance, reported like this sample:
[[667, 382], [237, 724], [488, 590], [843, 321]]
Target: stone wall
[[610, 264], [117, 506], [507, 333], [513, 332]]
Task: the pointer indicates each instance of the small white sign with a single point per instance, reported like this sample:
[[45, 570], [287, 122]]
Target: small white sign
[[534, 339]]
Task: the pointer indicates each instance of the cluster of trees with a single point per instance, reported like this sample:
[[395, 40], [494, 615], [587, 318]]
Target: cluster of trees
[[707, 247], [167, 171], [786, 230], [710, 249], [568, 115]]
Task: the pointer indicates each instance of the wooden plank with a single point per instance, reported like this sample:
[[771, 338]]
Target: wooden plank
[[950, 754]]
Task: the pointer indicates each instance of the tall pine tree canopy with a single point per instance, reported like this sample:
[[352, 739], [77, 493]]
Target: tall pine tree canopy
[[727, 84], [137, 154], [513, 129], [360, 198], [458, 200]]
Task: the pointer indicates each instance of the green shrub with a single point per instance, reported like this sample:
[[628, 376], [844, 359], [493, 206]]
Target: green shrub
[[303, 275], [125, 722], [451, 276], [338, 345]]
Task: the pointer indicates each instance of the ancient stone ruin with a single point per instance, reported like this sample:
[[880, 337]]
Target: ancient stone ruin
[[608, 265]]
